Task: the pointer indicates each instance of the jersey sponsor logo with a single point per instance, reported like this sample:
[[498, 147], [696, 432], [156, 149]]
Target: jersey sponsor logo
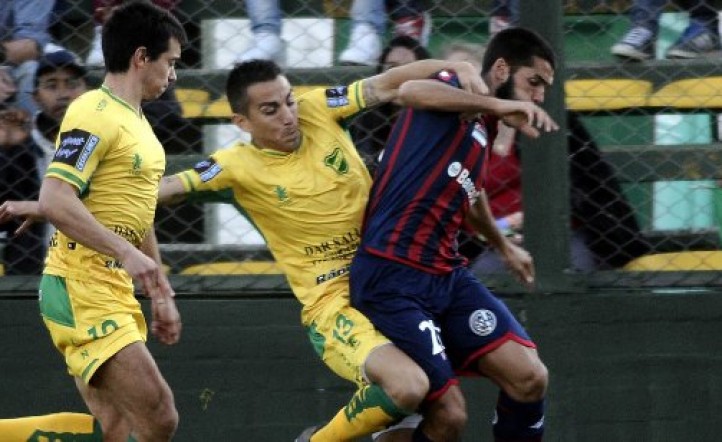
[[333, 274], [334, 249], [75, 147], [337, 96], [461, 174], [482, 322], [337, 161], [207, 169]]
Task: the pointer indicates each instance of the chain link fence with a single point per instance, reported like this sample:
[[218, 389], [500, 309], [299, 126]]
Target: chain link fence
[[643, 130]]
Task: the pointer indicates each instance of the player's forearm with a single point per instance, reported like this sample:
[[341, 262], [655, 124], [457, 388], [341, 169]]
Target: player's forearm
[[149, 246], [482, 220], [435, 95], [385, 87], [67, 213], [171, 190]]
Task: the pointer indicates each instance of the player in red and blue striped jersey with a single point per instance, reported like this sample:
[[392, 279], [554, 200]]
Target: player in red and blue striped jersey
[[408, 276]]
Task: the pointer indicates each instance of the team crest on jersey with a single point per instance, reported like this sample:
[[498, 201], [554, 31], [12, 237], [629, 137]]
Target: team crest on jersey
[[337, 161], [207, 169], [75, 147], [337, 96], [482, 322], [137, 163]]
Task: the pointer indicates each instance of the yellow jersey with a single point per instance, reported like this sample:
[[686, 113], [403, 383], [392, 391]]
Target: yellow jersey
[[108, 151], [308, 204]]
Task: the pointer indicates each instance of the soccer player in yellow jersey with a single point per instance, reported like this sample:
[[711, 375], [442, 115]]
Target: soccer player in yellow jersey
[[304, 186], [100, 192]]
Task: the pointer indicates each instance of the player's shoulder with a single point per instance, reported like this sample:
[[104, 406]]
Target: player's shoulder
[[92, 109]]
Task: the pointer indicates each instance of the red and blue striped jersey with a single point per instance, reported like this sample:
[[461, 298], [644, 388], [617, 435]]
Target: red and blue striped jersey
[[430, 174]]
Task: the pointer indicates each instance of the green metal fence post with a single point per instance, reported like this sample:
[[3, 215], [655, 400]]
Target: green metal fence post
[[545, 164]]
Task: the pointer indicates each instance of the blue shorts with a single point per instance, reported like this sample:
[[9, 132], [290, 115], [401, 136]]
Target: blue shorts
[[443, 322]]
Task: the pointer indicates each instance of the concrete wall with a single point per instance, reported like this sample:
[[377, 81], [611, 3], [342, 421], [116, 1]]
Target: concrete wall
[[625, 366]]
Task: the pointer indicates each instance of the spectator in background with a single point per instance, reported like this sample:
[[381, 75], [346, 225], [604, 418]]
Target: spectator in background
[[59, 79], [699, 39], [23, 35], [367, 29], [23, 254], [28, 145], [605, 233], [371, 129]]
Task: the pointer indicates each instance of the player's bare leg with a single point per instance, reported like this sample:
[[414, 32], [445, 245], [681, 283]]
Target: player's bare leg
[[128, 392]]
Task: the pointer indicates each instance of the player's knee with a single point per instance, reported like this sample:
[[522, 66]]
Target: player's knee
[[531, 385], [168, 420], [410, 389], [163, 420]]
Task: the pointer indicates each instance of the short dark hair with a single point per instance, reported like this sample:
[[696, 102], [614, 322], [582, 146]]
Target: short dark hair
[[518, 47], [403, 41], [245, 75], [135, 24]]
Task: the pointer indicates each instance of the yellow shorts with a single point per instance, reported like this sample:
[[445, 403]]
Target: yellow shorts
[[89, 322], [344, 338]]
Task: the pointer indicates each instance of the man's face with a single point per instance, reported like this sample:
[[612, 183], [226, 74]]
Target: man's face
[[528, 83], [56, 90], [160, 72], [272, 116]]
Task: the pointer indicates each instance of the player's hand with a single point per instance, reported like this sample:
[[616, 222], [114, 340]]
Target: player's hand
[[470, 78], [527, 117], [28, 211], [519, 261], [166, 325]]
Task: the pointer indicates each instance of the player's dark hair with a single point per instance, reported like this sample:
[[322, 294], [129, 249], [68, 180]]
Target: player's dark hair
[[245, 75], [403, 41], [518, 47], [136, 24]]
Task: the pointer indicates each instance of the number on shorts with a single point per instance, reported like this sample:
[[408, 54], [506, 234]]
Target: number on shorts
[[108, 326], [436, 345]]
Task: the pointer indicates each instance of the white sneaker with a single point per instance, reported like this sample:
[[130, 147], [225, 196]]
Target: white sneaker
[[364, 46], [95, 55], [266, 46]]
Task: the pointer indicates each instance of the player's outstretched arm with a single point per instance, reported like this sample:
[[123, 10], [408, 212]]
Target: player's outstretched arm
[[385, 87], [171, 190]]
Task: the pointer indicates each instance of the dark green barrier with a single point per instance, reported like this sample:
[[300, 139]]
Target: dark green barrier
[[624, 366]]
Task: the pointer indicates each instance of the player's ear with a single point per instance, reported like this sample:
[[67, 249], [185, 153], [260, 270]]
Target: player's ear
[[500, 70], [241, 121]]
